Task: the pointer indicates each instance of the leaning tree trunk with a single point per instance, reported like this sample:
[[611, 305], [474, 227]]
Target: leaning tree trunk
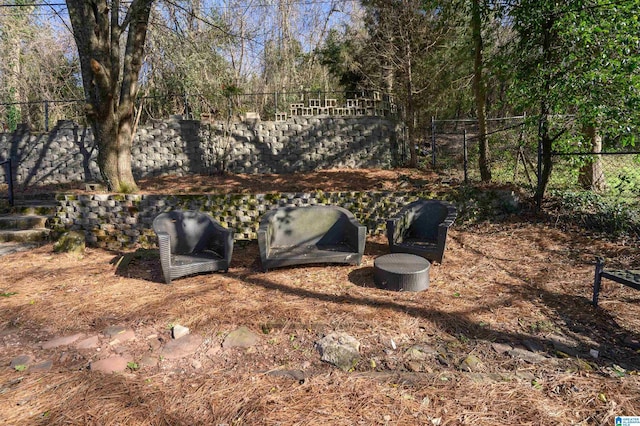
[[591, 175]]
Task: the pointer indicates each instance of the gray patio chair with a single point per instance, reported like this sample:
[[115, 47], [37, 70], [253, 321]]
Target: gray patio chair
[[421, 228], [191, 242]]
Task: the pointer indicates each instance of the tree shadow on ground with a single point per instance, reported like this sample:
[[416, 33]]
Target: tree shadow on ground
[[456, 324]]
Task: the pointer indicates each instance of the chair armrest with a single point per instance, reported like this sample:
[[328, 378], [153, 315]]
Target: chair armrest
[[443, 229], [398, 226], [444, 226], [265, 232], [221, 241], [356, 235], [164, 246]]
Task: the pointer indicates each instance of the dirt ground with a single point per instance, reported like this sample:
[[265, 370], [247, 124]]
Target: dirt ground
[[505, 333]]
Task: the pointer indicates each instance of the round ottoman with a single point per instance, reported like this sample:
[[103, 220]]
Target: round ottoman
[[401, 272]]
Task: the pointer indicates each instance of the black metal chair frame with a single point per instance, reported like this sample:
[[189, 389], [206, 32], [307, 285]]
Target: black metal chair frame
[[627, 277]]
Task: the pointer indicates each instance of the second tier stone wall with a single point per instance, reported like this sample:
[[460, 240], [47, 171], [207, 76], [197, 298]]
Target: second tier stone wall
[[124, 221], [179, 147]]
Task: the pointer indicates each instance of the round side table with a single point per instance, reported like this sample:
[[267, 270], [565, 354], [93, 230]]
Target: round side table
[[401, 272]]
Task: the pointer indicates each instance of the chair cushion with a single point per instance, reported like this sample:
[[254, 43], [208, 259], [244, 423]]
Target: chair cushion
[[189, 232]]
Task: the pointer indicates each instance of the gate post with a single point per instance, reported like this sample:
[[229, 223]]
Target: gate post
[[433, 142]]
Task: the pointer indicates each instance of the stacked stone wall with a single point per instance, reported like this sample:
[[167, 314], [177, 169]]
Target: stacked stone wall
[[125, 221], [179, 147]]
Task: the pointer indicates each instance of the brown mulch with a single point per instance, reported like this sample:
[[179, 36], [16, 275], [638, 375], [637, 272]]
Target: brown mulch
[[325, 180], [516, 282]]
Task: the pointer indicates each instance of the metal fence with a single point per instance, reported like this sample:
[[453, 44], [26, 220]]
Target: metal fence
[[618, 172], [451, 147], [40, 114]]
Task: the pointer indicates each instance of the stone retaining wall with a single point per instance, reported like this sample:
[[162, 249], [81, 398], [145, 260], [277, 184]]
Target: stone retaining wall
[[125, 221], [179, 147]]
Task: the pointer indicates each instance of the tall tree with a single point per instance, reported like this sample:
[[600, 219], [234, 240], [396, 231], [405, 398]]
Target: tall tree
[[37, 65], [110, 39], [339, 56], [404, 36], [184, 68], [480, 89], [14, 29], [580, 57]]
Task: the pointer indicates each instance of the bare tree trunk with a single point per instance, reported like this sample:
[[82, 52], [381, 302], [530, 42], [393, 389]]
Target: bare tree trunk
[[104, 131], [479, 90], [545, 141], [411, 114], [11, 31], [110, 78], [591, 175]]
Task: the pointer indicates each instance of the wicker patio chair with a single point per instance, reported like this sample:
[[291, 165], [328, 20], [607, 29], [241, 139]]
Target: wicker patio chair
[[421, 228], [191, 242], [310, 234]]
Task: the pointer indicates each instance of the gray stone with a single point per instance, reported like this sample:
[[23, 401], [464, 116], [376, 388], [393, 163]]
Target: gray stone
[[114, 330], [154, 344], [10, 247], [122, 337], [41, 366], [180, 348], [564, 345], [419, 352], [24, 360], [70, 242], [527, 356], [340, 350], [297, 375], [110, 365], [88, 343], [148, 361], [533, 346], [414, 366], [240, 338], [177, 331], [501, 347], [62, 341], [470, 364]]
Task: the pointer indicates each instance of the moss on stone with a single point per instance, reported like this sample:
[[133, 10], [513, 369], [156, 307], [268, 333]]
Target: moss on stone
[[70, 242]]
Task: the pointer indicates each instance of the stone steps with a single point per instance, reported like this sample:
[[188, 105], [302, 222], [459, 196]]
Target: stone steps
[[22, 221], [25, 235], [27, 221]]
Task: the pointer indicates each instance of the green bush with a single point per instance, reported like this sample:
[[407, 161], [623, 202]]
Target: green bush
[[599, 213]]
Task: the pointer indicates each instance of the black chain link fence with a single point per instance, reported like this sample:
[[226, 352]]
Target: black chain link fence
[[617, 173], [452, 148], [41, 115]]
